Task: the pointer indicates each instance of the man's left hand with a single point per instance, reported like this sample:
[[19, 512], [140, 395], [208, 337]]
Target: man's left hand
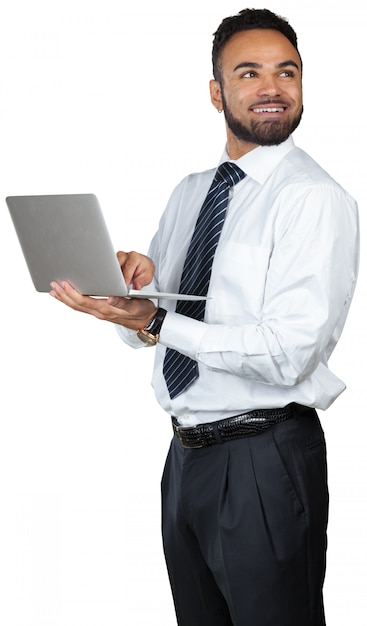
[[133, 313]]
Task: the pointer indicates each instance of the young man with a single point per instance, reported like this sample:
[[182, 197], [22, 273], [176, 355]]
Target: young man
[[245, 499]]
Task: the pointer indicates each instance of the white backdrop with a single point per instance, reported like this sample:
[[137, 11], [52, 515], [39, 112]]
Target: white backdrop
[[98, 98]]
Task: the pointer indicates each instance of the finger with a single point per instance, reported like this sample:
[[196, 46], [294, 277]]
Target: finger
[[130, 267], [115, 301], [101, 308], [121, 257], [138, 269], [129, 263], [65, 293]]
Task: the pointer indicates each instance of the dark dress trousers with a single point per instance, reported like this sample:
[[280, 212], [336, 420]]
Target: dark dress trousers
[[244, 527]]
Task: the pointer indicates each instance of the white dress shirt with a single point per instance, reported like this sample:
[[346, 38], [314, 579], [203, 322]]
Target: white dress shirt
[[282, 281]]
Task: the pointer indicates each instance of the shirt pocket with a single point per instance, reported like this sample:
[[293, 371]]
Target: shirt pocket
[[238, 283]]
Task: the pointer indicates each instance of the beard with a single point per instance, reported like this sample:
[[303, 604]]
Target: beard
[[269, 133]]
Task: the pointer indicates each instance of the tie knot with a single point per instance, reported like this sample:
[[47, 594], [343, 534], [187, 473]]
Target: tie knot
[[229, 173]]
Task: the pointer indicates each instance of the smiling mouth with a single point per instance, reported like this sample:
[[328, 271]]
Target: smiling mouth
[[269, 109]]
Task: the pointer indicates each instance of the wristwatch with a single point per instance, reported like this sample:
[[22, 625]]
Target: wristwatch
[[150, 333]]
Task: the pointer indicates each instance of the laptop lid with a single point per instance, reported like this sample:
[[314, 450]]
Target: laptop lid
[[65, 237]]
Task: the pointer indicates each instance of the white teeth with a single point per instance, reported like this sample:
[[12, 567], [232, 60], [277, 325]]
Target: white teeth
[[270, 110]]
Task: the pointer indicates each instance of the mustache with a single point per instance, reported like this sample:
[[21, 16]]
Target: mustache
[[267, 101]]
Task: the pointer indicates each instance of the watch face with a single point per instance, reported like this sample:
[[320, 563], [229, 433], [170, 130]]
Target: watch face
[[147, 338]]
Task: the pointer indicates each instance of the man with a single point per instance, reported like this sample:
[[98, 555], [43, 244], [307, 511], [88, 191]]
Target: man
[[244, 491]]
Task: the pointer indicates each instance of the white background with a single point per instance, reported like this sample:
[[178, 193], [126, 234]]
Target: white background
[[100, 98]]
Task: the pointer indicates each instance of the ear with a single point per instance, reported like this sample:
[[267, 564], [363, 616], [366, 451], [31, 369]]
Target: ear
[[216, 95]]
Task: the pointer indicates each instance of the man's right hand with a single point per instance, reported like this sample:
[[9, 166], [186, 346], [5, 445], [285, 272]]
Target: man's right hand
[[138, 269]]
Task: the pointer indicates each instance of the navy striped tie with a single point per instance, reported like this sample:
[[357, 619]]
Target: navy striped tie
[[180, 370]]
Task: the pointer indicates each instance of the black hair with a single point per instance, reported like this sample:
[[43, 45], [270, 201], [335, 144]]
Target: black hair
[[248, 19]]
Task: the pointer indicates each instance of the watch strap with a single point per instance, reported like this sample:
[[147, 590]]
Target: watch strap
[[154, 326]]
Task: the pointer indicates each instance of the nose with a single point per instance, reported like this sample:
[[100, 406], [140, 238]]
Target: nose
[[269, 87]]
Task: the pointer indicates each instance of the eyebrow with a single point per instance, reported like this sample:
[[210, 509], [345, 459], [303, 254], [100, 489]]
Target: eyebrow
[[258, 66]]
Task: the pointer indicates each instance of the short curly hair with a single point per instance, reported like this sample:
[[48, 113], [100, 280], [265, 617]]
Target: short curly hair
[[248, 19]]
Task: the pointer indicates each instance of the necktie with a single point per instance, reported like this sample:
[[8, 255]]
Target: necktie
[[180, 370]]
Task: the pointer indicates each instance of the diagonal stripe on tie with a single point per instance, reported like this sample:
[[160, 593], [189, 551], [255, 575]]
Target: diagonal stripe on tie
[[180, 370]]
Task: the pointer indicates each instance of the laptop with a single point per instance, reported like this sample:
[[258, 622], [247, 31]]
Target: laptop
[[65, 237]]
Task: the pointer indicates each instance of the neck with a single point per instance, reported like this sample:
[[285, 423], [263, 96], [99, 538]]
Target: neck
[[237, 148]]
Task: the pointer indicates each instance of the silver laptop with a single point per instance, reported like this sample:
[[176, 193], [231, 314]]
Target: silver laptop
[[65, 237]]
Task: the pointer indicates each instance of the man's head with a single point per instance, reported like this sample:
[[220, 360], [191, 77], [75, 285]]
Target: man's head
[[257, 79], [248, 19]]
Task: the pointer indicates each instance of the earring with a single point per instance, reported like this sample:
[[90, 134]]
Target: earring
[[220, 110]]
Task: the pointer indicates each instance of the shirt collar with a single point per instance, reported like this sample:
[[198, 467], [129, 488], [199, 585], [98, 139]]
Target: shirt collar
[[260, 162]]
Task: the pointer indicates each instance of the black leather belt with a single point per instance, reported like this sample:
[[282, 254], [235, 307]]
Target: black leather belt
[[244, 425]]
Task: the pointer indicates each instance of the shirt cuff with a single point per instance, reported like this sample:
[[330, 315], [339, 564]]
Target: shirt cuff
[[182, 333], [129, 337]]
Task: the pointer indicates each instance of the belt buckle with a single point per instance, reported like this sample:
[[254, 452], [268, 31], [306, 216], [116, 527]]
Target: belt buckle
[[179, 429]]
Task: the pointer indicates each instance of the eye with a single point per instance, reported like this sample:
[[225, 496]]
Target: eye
[[287, 74], [249, 74]]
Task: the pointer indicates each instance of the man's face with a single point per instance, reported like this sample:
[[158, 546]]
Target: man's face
[[260, 90]]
